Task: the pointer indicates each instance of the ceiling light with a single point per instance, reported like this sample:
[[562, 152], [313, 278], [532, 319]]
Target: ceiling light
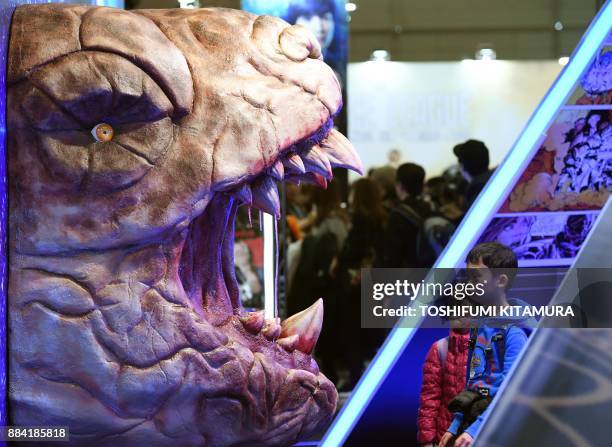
[[486, 54], [558, 26], [189, 4], [380, 56], [350, 7], [563, 60]]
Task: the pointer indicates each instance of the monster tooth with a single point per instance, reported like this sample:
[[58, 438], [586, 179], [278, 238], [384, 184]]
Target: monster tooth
[[316, 161], [250, 216], [243, 194], [289, 343], [294, 162], [253, 321], [265, 196], [340, 152], [277, 171], [272, 329], [307, 324]]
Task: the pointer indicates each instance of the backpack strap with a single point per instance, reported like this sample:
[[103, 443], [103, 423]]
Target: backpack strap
[[472, 346], [499, 340], [442, 346]]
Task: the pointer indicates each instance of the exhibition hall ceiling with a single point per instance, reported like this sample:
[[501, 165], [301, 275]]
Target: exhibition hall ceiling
[[414, 30]]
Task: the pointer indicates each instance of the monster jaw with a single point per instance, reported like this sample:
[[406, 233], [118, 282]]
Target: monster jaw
[[206, 268]]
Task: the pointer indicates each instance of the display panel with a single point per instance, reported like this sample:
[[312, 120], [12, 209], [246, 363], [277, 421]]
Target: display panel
[[572, 170], [558, 392], [595, 86], [540, 239]]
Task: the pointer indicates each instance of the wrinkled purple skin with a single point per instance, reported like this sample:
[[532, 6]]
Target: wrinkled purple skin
[[123, 309]]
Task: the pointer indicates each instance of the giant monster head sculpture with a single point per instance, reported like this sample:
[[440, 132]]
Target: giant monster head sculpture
[[132, 139]]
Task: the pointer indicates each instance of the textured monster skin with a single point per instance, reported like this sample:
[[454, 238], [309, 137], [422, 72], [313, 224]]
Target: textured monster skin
[[124, 317]]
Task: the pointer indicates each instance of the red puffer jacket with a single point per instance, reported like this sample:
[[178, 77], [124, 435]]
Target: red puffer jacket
[[443, 378]]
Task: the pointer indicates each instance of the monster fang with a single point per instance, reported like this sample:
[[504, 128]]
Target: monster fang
[[313, 165]]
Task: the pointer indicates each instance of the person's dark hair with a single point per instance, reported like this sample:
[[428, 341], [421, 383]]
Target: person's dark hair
[[450, 194], [473, 155], [367, 200], [384, 177], [435, 182], [435, 188], [496, 256], [299, 8], [411, 176]]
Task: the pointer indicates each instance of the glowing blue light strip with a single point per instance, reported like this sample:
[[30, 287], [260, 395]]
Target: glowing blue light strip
[[487, 203]]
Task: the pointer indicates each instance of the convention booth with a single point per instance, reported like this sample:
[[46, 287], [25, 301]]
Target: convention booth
[[549, 201], [141, 305]]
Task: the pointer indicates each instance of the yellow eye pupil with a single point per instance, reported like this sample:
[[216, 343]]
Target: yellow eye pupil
[[102, 132]]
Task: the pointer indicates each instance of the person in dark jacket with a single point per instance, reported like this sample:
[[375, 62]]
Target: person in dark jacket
[[473, 157], [363, 245], [362, 249], [384, 178], [401, 234], [313, 276]]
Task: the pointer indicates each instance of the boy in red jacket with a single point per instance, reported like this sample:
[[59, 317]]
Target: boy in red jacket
[[443, 378]]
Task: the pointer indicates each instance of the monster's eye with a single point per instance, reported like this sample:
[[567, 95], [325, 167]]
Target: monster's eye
[[103, 132], [89, 101]]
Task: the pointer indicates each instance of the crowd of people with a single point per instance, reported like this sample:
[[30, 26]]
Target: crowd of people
[[393, 218]]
